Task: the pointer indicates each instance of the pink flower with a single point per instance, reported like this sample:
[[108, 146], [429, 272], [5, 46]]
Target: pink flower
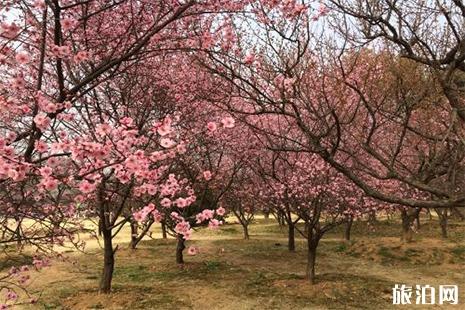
[[140, 216], [22, 58], [164, 130], [50, 183], [181, 148], [86, 187], [46, 171], [39, 4], [211, 126], [151, 189], [81, 56], [249, 59], [68, 23], [182, 228], [228, 122], [214, 224], [41, 146], [165, 202], [181, 203], [167, 143], [207, 175], [157, 216], [42, 121], [9, 31], [192, 250], [220, 211]]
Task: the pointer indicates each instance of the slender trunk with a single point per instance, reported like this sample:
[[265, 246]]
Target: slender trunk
[[407, 233], [281, 220], [266, 214], [246, 231], [372, 217], [134, 238], [291, 237], [442, 214], [312, 244], [163, 230], [348, 228], [108, 262], [179, 249]]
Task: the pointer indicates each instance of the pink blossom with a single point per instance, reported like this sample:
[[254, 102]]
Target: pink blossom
[[151, 189], [87, 187], [22, 58], [182, 227], [181, 148], [9, 31], [214, 224], [167, 143], [50, 183], [68, 23], [46, 171], [81, 56], [140, 216], [207, 175], [165, 202], [192, 250], [39, 4], [181, 203], [42, 121], [220, 211], [211, 126], [164, 130], [41, 146], [228, 122], [249, 59]]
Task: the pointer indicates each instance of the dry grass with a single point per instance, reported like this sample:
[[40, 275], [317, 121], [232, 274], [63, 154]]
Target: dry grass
[[231, 273]]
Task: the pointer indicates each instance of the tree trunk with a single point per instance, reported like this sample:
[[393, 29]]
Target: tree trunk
[[442, 214], [348, 228], [134, 238], [108, 262], [280, 219], [291, 237], [179, 249], [246, 231], [407, 233], [312, 244], [417, 220], [266, 214], [372, 217], [163, 230]]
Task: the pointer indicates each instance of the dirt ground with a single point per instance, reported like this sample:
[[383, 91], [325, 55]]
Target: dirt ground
[[232, 273]]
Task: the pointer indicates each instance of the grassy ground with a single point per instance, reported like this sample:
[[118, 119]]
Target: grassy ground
[[231, 273]]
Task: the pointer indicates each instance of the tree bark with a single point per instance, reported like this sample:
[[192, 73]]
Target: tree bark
[[179, 249], [417, 220], [291, 237], [108, 262], [246, 231], [407, 220], [312, 244], [372, 217], [134, 238], [163, 230], [442, 214], [348, 228]]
